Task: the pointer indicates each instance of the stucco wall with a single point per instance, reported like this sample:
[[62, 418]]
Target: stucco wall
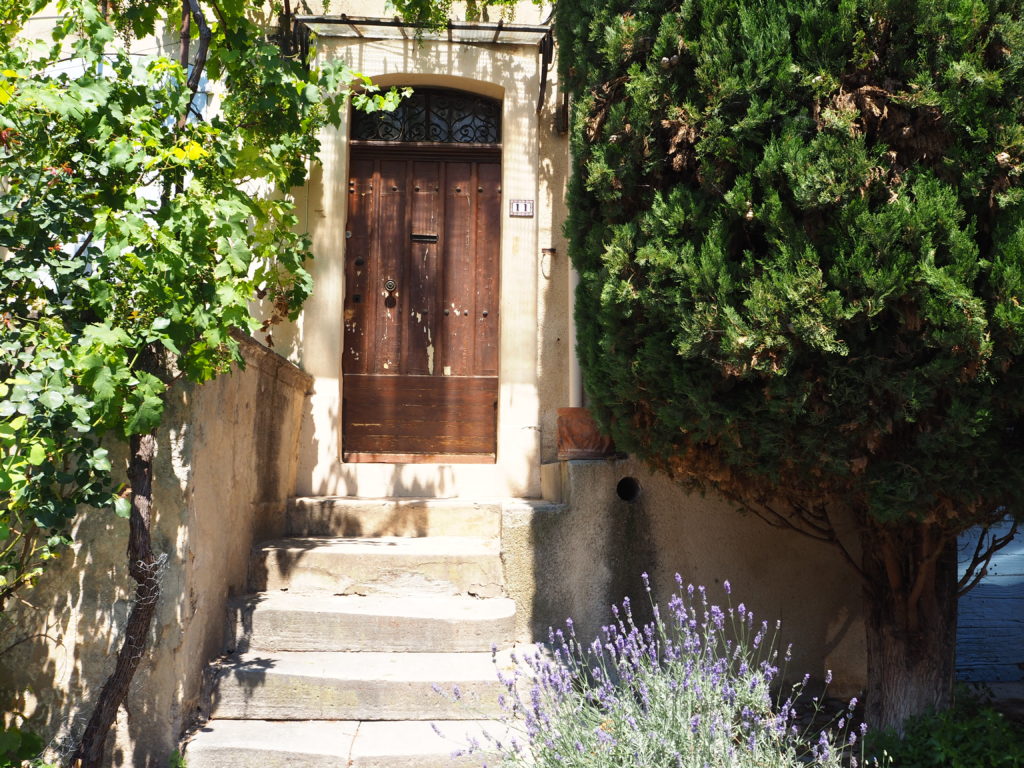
[[576, 558], [225, 467]]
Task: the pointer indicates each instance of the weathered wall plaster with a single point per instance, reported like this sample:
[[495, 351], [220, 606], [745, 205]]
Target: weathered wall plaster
[[225, 467], [576, 558]]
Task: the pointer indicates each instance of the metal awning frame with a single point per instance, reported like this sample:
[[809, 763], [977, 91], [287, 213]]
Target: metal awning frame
[[372, 28], [462, 32]]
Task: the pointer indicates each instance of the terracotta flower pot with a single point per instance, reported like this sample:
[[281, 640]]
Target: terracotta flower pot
[[578, 437]]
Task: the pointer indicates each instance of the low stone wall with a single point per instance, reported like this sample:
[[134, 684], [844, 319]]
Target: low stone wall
[[226, 462], [576, 558]]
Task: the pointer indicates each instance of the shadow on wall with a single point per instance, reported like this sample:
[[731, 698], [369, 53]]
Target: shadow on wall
[[590, 551], [590, 554], [44, 671], [225, 469], [556, 347]]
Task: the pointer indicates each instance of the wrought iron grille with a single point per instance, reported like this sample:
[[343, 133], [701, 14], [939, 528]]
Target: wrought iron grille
[[434, 114]]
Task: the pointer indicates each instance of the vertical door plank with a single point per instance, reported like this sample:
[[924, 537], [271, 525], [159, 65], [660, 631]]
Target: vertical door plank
[[358, 321], [422, 315], [397, 342], [458, 271], [392, 246], [488, 268]]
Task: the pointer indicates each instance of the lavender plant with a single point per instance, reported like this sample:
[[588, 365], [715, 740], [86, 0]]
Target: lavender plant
[[697, 687]]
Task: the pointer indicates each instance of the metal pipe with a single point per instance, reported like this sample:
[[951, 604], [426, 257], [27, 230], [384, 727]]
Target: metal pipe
[[575, 373]]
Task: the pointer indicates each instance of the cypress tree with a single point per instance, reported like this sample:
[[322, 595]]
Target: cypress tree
[[799, 232]]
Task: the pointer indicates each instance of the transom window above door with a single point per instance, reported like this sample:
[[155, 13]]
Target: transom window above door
[[434, 115]]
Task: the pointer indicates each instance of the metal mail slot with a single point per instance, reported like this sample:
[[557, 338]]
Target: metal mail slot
[[423, 238]]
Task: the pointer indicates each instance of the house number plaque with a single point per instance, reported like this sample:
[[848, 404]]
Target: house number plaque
[[521, 208]]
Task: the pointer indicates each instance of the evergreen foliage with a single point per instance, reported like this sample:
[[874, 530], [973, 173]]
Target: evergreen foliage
[[799, 228], [801, 244]]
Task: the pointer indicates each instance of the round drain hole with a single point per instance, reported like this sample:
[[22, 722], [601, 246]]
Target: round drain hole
[[628, 489]]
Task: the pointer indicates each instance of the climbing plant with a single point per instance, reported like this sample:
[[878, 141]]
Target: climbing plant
[[434, 14], [138, 233], [135, 239]]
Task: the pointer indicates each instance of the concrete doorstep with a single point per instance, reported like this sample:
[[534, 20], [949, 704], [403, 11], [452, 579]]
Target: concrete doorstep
[[339, 516]]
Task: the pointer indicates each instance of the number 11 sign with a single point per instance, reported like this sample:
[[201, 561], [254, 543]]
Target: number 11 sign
[[522, 208]]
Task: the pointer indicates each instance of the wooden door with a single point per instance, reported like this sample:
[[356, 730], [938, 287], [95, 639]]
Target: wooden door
[[420, 363]]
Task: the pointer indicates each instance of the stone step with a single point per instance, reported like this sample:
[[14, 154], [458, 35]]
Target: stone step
[[353, 517], [264, 744], [281, 685], [287, 621], [396, 565], [313, 744]]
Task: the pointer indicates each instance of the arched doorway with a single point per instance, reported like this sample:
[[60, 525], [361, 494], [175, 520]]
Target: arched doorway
[[422, 255]]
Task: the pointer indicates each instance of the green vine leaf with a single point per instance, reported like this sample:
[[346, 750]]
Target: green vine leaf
[[36, 454], [122, 507], [52, 399]]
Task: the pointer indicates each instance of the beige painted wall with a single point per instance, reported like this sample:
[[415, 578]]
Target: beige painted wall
[[576, 558], [224, 469], [534, 347]]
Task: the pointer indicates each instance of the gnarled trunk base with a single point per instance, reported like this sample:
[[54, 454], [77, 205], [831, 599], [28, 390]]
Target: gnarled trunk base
[[910, 621], [144, 569]]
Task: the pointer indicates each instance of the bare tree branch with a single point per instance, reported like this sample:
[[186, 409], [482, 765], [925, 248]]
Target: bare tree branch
[[205, 35], [26, 638], [763, 510], [808, 517], [83, 246], [978, 567], [824, 531], [843, 550], [975, 558]]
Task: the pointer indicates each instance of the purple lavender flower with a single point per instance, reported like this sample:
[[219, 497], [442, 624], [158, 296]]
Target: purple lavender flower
[[710, 672]]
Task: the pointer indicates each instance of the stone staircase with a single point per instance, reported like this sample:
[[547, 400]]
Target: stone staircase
[[355, 618]]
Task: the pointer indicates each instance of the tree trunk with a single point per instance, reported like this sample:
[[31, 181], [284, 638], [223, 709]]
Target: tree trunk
[[910, 621], [144, 569]]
